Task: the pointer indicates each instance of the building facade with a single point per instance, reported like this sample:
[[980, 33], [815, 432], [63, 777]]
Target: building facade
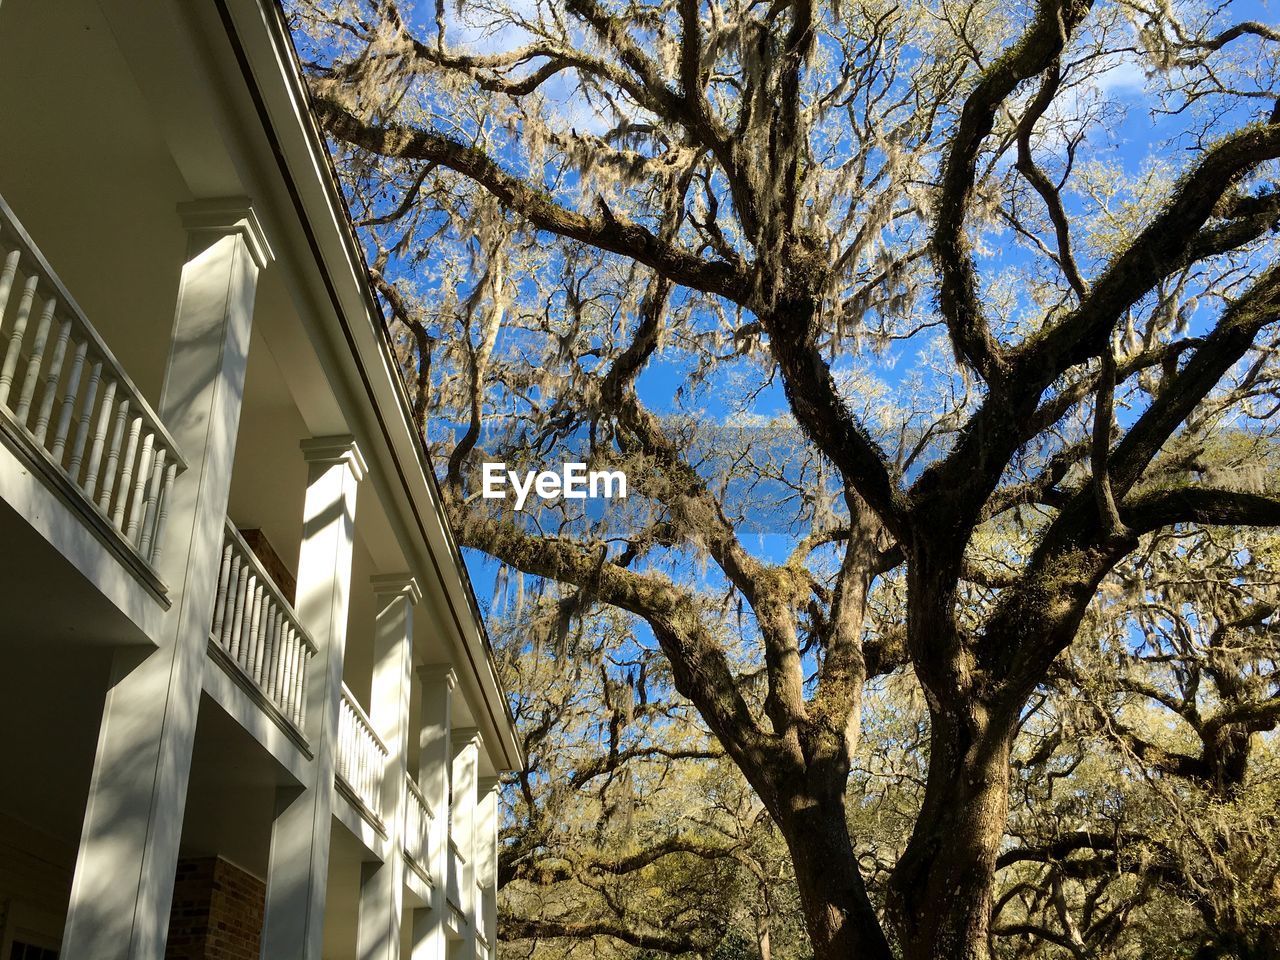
[[247, 707]]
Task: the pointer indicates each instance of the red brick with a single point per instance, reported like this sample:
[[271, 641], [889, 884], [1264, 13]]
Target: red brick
[[217, 912]]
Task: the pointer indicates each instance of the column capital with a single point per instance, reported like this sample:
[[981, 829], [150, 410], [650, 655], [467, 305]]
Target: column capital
[[464, 737], [487, 785], [441, 672], [334, 450], [389, 586], [228, 215]]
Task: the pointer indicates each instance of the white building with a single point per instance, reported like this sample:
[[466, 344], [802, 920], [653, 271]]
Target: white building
[[246, 703]]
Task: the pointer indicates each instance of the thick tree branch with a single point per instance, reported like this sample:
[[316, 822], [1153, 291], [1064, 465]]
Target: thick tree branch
[[1145, 512], [608, 763], [1043, 186], [1166, 244], [951, 494], [824, 415], [1230, 339], [699, 664], [958, 296], [511, 928], [558, 870], [605, 230]]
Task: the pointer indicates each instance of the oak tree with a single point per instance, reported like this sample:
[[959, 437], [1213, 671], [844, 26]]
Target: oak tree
[[1003, 346]]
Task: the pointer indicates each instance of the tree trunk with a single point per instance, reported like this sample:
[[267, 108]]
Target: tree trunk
[[941, 891], [763, 918], [841, 922]]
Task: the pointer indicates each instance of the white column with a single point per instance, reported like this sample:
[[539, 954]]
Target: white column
[[299, 863], [382, 884], [466, 773], [487, 862], [435, 739], [123, 881]]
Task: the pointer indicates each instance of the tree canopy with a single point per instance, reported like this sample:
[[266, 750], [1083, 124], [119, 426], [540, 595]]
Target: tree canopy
[[938, 343]]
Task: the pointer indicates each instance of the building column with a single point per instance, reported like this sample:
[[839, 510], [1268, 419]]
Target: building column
[[466, 775], [487, 864], [299, 863], [435, 743], [382, 884], [124, 874]]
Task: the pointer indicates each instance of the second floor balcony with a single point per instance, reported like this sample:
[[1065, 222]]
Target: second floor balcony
[[71, 410]]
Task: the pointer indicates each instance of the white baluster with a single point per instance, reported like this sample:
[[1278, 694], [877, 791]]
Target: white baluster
[[95, 375], [237, 618], [64, 419], [301, 655], [23, 409], [271, 678], [224, 583], [366, 765], [414, 832], [243, 636], [289, 671], [348, 763], [267, 678], [262, 666], [411, 815], [283, 690], [262, 634], [254, 664], [51, 380], [151, 505], [364, 762], [157, 539], [374, 775], [356, 764], [14, 349], [6, 280], [234, 586], [344, 741], [289, 694], [126, 473], [253, 638], [361, 771], [273, 653], [407, 828], [99, 439], [113, 455], [139, 489]]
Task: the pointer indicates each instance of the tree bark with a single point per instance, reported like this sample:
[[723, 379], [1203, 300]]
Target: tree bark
[[840, 919], [942, 889], [763, 919]]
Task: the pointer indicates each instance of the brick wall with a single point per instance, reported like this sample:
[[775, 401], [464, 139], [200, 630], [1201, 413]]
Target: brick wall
[[217, 912], [270, 560]]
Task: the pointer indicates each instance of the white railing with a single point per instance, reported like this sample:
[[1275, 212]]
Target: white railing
[[453, 879], [66, 393], [362, 757], [417, 826], [256, 627], [481, 914]]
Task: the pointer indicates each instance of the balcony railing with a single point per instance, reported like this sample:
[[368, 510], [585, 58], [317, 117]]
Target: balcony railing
[[417, 827], [361, 755], [453, 879], [70, 399], [482, 920], [257, 629]]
